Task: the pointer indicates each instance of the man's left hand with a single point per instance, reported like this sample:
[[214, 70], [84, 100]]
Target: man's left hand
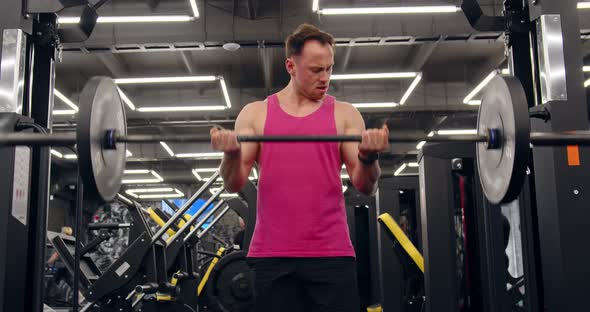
[[374, 141]]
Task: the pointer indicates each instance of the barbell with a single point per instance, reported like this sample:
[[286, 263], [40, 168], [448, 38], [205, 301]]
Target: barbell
[[503, 138]]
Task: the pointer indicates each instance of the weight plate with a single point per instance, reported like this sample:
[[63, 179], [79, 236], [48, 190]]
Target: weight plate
[[231, 284], [101, 109], [502, 170]]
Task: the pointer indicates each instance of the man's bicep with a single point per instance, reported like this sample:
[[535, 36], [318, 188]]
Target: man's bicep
[[354, 126], [245, 126]]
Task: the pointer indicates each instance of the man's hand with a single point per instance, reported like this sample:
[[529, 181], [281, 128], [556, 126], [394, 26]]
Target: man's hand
[[374, 141], [225, 141]]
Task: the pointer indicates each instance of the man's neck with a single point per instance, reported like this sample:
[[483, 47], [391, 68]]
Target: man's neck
[[294, 98]]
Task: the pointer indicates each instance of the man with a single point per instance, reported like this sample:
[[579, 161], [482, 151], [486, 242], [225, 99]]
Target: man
[[301, 251]]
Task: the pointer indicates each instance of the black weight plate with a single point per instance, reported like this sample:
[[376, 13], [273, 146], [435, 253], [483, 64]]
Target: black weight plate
[[231, 284], [502, 171], [101, 109]]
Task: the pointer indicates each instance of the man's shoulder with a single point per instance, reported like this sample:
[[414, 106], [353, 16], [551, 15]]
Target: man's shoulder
[[255, 106], [344, 106]]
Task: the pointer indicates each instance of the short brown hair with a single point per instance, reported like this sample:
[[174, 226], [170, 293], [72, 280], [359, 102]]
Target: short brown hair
[[305, 32]]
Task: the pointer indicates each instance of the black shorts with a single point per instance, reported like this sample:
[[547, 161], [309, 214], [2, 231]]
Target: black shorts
[[305, 284]]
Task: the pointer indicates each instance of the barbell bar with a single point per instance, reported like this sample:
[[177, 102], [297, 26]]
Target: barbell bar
[[69, 139], [503, 138]]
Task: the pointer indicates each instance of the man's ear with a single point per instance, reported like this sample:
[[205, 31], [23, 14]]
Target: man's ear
[[290, 65]]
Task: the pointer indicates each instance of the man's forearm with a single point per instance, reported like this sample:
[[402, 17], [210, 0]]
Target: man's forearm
[[231, 172], [366, 177]]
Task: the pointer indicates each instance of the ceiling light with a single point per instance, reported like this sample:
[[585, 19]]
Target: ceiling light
[[197, 170], [400, 169], [177, 195], [457, 132], [474, 102], [375, 105], [255, 173], [129, 19], [201, 155], [226, 195], [194, 8], [126, 99], [128, 153], [64, 99], [586, 69], [401, 191], [480, 86], [410, 89], [505, 71], [413, 165], [64, 112], [587, 83], [71, 156], [157, 179], [344, 176], [121, 81], [180, 108], [344, 188], [167, 148], [136, 171], [374, 76], [421, 144], [583, 5], [391, 10], [224, 90], [56, 153]]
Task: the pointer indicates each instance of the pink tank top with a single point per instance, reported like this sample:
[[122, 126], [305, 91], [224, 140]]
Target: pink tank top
[[301, 210]]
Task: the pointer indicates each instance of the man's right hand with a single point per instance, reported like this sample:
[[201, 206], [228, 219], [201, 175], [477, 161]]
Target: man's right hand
[[225, 141]]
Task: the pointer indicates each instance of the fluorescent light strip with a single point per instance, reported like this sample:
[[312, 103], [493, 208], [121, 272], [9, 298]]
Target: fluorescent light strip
[[344, 176], [194, 7], [56, 153], [71, 156], [167, 148], [315, 5], [413, 165], [64, 99], [457, 132], [64, 112], [474, 102], [583, 5], [344, 188], [421, 144], [587, 83], [480, 86], [224, 90], [255, 173], [126, 99], [400, 169], [128, 153], [391, 10], [201, 155], [411, 89], [129, 19], [121, 81], [226, 195], [150, 190], [505, 71], [375, 105], [197, 170], [158, 179], [180, 108], [177, 195], [586, 69], [136, 171], [374, 76]]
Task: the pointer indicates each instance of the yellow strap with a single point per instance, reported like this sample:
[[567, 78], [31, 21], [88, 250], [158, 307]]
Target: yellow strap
[[182, 222], [220, 252], [404, 241], [375, 308], [154, 216], [174, 280], [164, 297]]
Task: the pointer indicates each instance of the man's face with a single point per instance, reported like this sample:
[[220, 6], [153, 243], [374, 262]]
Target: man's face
[[311, 69]]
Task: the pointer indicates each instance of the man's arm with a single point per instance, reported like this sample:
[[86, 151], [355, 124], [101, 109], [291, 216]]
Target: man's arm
[[238, 158], [363, 174]]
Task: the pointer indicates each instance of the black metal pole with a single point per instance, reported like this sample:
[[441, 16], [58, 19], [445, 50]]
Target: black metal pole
[[78, 236]]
